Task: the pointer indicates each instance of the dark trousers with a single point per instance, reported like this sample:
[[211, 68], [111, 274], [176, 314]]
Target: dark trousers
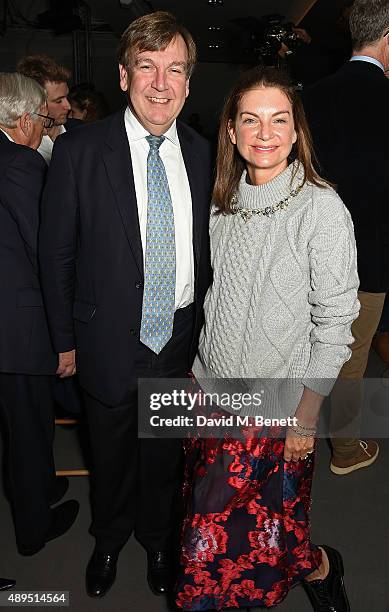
[[136, 483], [27, 422], [384, 322]]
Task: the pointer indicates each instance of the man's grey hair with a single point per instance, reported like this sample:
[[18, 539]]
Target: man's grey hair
[[369, 20], [18, 94]]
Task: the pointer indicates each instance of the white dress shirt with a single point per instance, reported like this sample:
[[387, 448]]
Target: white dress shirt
[[46, 146], [170, 153]]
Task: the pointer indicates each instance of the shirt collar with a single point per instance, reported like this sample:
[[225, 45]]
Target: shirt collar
[[62, 130], [8, 136], [136, 131], [367, 58]]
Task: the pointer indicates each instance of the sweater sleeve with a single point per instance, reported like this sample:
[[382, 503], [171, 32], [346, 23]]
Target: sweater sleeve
[[333, 295]]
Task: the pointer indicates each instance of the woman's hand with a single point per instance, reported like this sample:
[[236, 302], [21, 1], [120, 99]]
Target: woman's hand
[[307, 414], [297, 447]]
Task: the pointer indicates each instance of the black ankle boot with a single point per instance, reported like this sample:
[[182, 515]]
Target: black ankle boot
[[329, 595]]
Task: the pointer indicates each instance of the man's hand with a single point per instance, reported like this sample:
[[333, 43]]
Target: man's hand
[[53, 132], [66, 364]]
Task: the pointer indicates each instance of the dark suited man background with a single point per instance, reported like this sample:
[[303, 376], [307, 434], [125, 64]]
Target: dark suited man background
[[124, 255], [347, 114], [53, 78], [27, 360]]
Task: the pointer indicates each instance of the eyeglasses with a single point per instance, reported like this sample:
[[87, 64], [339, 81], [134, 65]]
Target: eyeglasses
[[48, 123]]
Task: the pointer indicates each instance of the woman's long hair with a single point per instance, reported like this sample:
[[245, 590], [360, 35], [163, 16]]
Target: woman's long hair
[[229, 164]]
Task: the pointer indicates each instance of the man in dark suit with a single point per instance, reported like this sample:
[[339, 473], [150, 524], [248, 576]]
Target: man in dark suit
[[133, 183], [53, 78], [27, 360], [347, 113]]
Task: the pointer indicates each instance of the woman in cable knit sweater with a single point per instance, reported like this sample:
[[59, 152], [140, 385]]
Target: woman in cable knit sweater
[[281, 305]]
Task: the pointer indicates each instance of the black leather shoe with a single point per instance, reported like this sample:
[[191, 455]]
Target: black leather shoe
[[61, 485], [100, 573], [6, 583], [159, 572], [62, 518], [329, 595]]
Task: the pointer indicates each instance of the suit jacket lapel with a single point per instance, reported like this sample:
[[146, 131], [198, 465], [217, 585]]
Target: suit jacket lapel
[[117, 160], [4, 139], [193, 170]]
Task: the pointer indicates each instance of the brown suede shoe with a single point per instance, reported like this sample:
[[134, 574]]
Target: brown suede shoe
[[368, 453]]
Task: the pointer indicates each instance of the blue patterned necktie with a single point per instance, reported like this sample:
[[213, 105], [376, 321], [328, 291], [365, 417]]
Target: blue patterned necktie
[[160, 260]]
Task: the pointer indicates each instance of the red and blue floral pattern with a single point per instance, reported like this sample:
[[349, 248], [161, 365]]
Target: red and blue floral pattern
[[245, 538]]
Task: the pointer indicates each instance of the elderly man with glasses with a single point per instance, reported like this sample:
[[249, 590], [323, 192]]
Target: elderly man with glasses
[[28, 363]]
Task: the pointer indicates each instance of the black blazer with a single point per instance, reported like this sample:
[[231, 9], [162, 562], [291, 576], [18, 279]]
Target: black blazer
[[348, 116], [25, 346], [91, 252], [73, 123]]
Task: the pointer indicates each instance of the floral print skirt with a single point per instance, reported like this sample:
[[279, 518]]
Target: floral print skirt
[[245, 539]]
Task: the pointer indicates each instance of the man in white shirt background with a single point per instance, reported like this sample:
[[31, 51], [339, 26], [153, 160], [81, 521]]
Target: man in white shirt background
[[53, 78]]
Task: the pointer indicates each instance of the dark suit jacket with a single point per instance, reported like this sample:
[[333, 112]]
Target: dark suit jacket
[[348, 116], [91, 252], [73, 123], [25, 346]]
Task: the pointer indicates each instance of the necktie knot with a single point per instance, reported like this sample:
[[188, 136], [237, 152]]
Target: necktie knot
[[155, 141]]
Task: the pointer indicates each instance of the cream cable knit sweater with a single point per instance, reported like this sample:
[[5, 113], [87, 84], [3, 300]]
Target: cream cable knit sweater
[[284, 292]]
